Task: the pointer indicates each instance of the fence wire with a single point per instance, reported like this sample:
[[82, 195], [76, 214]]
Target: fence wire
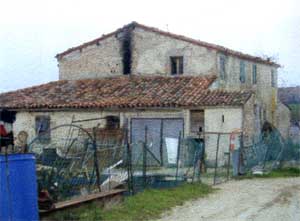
[[78, 163], [183, 160]]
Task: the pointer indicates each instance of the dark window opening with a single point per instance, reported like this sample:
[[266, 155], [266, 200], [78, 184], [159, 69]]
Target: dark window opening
[[254, 74], [242, 72], [112, 122], [197, 121], [7, 119], [176, 65], [223, 118], [42, 128]]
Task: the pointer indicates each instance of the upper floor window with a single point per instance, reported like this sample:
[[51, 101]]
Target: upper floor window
[[273, 78], [222, 67], [176, 65], [254, 74], [242, 72], [42, 127]]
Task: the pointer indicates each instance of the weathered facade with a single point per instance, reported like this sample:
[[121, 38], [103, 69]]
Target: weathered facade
[[148, 53]]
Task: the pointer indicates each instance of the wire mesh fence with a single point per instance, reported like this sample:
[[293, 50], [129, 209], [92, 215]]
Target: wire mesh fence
[[184, 160], [79, 162], [270, 151], [220, 158], [147, 171]]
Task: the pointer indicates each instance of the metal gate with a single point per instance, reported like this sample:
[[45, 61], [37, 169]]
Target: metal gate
[[158, 129]]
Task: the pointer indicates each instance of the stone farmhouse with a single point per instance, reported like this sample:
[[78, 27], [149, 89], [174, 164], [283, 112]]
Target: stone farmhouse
[[139, 75]]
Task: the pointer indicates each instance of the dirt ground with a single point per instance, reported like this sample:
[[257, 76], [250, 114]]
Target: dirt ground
[[256, 199]]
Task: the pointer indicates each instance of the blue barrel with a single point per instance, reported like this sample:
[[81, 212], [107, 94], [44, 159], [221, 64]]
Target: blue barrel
[[18, 188]]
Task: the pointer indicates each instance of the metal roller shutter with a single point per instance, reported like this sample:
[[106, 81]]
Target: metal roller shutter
[[158, 130]]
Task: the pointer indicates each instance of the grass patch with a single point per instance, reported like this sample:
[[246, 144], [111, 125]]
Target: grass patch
[[279, 173], [149, 204]]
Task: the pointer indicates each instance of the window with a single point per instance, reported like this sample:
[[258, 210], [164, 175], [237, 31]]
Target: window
[[176, 65], [222, 67], [254, 74], [273, 78], [197, 121], [242, 72], [42, 126], [112, 122]]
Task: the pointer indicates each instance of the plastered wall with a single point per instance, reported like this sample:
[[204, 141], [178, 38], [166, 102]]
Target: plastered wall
[[213, 120], [25, 121]]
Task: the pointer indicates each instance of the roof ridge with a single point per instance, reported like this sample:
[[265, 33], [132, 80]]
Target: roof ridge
[[32, 87], [173, 35]]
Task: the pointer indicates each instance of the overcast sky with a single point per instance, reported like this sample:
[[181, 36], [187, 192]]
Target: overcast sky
[[32, 32]]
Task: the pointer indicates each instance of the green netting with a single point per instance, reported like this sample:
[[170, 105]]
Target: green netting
[[271, 151]]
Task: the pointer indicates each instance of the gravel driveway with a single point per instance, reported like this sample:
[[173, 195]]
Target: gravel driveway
[[256, 199]]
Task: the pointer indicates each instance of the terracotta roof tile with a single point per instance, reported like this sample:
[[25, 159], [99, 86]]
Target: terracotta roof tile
[[123, 92]]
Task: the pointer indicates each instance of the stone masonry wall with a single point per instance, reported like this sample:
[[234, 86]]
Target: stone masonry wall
[[94, 61], [265, 94], [152, 52], [252, 122], [283, 118]]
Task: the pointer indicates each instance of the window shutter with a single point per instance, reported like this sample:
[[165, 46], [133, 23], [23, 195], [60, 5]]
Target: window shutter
[[242, 72]]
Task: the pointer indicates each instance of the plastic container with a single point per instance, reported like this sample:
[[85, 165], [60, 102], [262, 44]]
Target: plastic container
[[18, 188]]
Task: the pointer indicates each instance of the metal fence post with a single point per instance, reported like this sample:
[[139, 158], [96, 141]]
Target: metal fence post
[[228, 161], [145, 158], [178, 153], [216, 163], [96, 158], [240, 166], [161, 143], [129, 169]]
